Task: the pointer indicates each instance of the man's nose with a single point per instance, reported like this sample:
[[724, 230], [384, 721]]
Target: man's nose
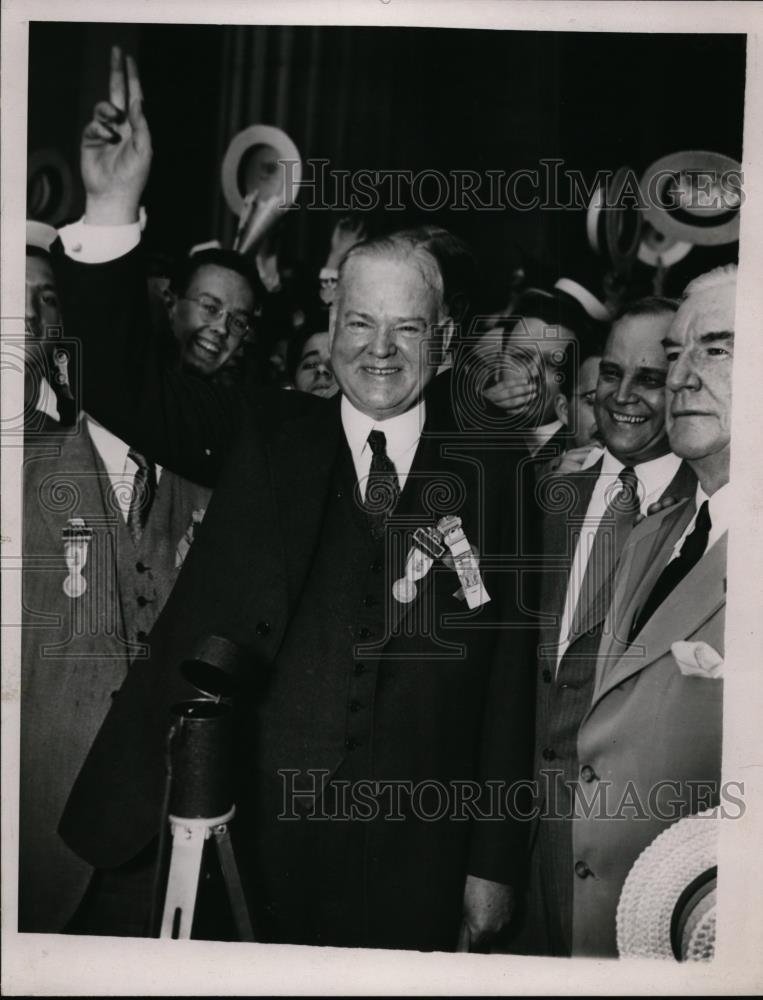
[[383, 343], [31, 313], [625, 392], [219, 324], [682, 373]]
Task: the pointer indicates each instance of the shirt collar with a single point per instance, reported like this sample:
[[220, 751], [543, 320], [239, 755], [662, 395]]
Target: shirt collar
[[113, 450], [46, 401], [653, 475], [719, 507], [402, 431]]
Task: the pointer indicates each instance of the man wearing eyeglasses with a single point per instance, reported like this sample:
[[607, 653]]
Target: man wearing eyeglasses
[[211, 310], [389, 683]]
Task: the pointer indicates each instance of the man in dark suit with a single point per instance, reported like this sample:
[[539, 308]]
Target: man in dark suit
[[588, 516], [362, 673]]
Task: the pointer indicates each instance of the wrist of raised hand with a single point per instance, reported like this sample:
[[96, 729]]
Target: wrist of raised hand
[[110, 210]]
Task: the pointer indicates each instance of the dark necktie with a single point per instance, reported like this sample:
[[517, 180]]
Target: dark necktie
[[143, 491], [382, 485], [691, 552], [615, 526]]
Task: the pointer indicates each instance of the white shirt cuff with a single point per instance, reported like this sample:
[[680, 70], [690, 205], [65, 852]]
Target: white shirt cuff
[[98, 244]]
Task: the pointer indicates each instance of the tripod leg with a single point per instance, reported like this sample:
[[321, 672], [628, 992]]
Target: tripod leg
[[233, 883], [183, 880]]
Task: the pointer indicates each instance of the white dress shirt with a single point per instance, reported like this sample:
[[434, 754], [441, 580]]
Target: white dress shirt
[[120, 468], [402, 433], [653, 478], [719, 507], [98, 244], [46, 401]]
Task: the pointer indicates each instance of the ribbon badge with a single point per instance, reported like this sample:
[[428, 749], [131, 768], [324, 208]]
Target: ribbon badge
[[464, 561], [431, 544], [428, 547], [76, 537]]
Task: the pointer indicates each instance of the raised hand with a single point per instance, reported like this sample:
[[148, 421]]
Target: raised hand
[[574, 460], [116, 148], [347, 232], [515, 393]]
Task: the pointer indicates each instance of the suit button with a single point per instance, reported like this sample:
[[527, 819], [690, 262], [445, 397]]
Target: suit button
[[140, 567], [142, 601], [355, 706], [142, 636], [582, 870], [548, 753], [368, 601], [365, 633], [359, 668], [587, 773], [351, 743], [376, 566], [262, 628], [546, 675]]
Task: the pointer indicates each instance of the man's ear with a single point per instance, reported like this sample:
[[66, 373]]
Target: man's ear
[[562, 408], [332, 323], [170, 300], [448, 326]]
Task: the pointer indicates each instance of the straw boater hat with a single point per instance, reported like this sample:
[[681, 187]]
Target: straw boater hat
[[50, 186], [705, 215], [244, 142], [40, 234], [668, 902]]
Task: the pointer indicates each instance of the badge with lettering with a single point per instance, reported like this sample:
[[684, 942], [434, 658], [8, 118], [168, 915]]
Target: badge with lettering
[[428, 547], [464, 561], [76, 538]]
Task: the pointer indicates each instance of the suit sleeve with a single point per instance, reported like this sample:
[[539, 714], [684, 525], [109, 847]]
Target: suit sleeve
[[179, 420], [499, 842]]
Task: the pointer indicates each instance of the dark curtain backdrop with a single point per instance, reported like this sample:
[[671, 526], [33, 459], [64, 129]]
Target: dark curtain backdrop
[[388, 99]]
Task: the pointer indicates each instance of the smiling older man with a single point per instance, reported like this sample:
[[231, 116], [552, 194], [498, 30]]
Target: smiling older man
[[582, 540], [384, 688], [651, 737]]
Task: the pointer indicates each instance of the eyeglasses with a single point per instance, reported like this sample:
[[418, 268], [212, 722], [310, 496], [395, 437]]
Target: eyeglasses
[[238, 323]]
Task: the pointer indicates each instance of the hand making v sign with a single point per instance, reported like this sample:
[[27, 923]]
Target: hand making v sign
[[116, 148]]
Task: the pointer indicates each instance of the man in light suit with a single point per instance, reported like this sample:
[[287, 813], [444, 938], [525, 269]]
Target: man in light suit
[[652, 735], [78, 642], [588, 515], [352, 668]]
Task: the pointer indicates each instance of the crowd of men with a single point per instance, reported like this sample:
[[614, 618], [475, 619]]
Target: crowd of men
[[485, 571]]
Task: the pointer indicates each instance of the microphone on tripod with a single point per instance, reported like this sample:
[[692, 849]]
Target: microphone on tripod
[[198, 801]]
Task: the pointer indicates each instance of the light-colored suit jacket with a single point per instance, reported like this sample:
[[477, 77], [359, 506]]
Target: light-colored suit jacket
[[650, 744], [76, 652]]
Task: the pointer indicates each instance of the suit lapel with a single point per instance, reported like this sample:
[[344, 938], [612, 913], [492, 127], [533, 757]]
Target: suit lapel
[[694, 600], [561, 531]]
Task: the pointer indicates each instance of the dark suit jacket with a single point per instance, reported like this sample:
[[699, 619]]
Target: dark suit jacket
[[451, 704]]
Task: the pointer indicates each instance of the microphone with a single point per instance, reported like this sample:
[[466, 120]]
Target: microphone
[[215, 667]]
